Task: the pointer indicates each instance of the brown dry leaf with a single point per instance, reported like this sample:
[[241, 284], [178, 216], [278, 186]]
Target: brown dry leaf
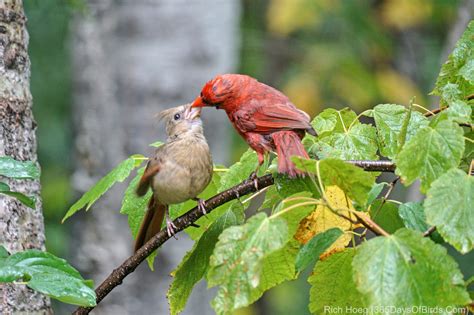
[[323, 219]]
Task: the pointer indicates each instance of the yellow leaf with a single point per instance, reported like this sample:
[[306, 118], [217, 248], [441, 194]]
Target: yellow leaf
[[323, 219], [403, 14]]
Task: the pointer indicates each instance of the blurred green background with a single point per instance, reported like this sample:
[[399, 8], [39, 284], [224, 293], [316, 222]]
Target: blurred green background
[[326, 53]]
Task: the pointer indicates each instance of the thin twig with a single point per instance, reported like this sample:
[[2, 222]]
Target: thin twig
[[190, 217], [371, 225], [429, 231]]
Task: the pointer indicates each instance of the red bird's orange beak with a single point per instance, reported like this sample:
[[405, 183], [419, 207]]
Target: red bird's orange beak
[[198, 102]]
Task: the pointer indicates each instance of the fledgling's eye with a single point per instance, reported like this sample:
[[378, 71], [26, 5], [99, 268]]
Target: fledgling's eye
[[177, 116]]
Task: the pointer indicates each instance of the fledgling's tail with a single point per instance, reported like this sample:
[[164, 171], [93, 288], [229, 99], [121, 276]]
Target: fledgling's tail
[[151, 223], [288, 144]]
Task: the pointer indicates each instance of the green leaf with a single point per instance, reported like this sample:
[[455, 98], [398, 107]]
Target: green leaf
[[468, 155], [9, 167], [413, 216], [430, 153], [389, 120], [272, 198], [134, 206], [331, 120], [351, 179], [449, 207], [240, 171], [407, 269], [118, 174], [196, 262], [311, 251], [358, 143], [286, 186], [277, 267], [236, 261], [459, 112], [459, 68], [386, 216], [49, 275], [332, 285], [27, 201], [373, 194]]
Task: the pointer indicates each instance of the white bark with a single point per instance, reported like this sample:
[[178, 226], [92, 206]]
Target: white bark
[[21, 228], [131, 60]]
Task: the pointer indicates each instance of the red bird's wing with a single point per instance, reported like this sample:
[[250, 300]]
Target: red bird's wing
[[279, 117]]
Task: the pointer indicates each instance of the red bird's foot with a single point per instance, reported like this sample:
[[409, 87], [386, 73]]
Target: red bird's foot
[[201, 205], [170, 227], [253, 177]]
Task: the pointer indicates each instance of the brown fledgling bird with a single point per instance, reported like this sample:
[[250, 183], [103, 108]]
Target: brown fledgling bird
[[180, 170]]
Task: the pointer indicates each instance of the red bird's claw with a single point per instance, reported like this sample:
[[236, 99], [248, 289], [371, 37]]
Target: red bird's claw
[[255, 183]]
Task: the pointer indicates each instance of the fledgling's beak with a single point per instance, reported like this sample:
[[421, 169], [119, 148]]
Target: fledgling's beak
[[198, 102], [192, 113]]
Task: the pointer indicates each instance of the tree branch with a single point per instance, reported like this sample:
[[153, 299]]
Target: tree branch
[[188, 219]]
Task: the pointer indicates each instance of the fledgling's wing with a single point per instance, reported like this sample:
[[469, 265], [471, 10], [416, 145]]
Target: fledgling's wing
[[152, 168]]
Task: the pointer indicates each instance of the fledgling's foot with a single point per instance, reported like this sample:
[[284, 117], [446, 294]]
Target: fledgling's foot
[[170, 227], [201, 205]]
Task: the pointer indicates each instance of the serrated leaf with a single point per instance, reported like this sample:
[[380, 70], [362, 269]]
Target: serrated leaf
[[468, 155], [386, 216], [413, 216], [196, 262], [449, 207], [406, 269], [277, 267], [323, 219], [118, 174], [459, 68], [311, 251], [286, 186], [351, 179], [389, 120], [236, 261], [358, 143], [272, 198], [49, 275], [332, 285], [24, 199], [240, 171], [9, 167], [331, 120], [430, 153], [134, 206]]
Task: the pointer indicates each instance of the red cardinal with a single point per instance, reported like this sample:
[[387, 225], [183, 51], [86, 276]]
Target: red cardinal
[[262, 115]]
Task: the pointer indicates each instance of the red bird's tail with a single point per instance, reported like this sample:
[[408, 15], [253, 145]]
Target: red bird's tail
[[288, 144], [151, 223]]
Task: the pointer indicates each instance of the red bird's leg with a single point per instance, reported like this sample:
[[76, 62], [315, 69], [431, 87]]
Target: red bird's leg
[[170, 227], [201, 205], [253, 176]]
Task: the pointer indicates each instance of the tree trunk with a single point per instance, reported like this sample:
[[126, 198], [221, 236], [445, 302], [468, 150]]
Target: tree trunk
[[21, 228], [131, 60]]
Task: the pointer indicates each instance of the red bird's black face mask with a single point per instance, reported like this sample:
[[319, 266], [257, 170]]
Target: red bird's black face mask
[[214, 93]]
